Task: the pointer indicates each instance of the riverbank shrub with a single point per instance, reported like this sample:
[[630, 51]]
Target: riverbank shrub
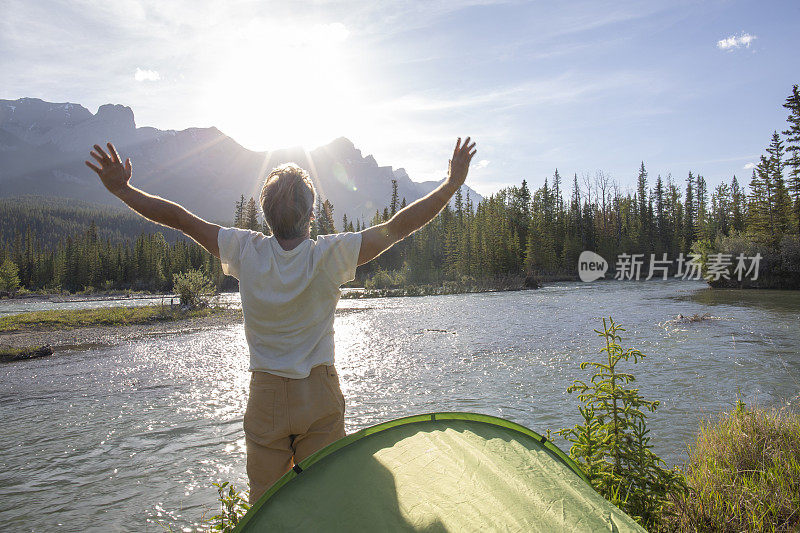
[[743, 474], [385, 279], [612, 444], [194, 289]]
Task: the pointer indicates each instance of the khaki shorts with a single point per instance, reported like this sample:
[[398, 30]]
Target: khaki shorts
[[287, 420]]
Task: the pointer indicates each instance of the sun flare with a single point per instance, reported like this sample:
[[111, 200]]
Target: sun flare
[[280, 87]]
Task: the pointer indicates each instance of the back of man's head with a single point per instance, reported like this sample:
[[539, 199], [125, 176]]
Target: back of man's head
[[287, 199]]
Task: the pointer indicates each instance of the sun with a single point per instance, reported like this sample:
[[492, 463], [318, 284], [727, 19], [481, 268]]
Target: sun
[[278, 87]]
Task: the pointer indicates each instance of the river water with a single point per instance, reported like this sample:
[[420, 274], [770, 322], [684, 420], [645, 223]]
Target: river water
[[130, 437]]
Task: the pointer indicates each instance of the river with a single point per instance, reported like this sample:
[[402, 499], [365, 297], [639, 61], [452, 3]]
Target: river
[[130, 437]]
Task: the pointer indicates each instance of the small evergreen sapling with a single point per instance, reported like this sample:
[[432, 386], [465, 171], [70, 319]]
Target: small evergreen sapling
[[233, 505], [612, 444]]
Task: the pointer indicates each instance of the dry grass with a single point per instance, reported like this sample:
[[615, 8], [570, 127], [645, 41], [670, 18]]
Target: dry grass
[[743, 474]]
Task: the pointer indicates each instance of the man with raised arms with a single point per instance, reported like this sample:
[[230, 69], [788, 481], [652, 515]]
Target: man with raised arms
[[289, 286]]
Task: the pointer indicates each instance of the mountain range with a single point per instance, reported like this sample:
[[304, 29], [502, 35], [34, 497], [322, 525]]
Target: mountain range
[[43, 146]]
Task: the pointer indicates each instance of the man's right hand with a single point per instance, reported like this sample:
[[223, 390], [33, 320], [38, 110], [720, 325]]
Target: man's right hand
[[459, 164], [112, 173], [377, 239]]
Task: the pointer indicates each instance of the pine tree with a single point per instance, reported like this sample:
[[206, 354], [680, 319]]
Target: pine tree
[[793, 149], [250, 216], [781, 202], [690, 210], [317, 221], [9, 279], [738, 207], [675, 216], [452, 251], [641, 195], [720, 220], [326, 219], [393, 202], [575, 209], [660, 216], [518, 212], [701, 197], [540, 252], [238, 213], [459, 206], [558, 201], [759, 208]]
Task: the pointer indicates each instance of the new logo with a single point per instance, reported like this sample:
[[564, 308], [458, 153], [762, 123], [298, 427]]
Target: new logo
[[591, 266]]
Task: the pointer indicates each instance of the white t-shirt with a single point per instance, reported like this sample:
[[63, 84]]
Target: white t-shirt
[[288, 296]]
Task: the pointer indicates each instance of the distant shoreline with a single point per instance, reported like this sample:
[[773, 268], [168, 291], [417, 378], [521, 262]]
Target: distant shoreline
[[63, 297]]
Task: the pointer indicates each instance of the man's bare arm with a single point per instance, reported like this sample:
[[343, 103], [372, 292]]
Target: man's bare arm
[[377, 239], [116, 179]]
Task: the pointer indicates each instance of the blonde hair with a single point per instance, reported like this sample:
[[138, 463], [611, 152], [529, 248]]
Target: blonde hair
[[287, 199]]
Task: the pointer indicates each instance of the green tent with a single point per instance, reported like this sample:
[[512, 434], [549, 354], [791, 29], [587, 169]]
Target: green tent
[[434, 473]]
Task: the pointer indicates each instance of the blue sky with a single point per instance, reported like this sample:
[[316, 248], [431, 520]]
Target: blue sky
[[579, 86]]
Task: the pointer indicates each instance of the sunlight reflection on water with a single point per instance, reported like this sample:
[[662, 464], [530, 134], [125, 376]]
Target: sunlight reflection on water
[[125, 437]]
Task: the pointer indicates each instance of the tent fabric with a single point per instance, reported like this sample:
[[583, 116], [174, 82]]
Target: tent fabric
[[435, 473]]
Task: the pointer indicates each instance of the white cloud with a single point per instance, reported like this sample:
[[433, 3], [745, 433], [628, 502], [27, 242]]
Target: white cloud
[[749, 166], [734, 41], [146, 75], [483, 163]]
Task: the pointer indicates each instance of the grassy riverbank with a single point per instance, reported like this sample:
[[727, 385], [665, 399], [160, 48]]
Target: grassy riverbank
[[104, 316], [745, 467], [38, 334], [28, 352]]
